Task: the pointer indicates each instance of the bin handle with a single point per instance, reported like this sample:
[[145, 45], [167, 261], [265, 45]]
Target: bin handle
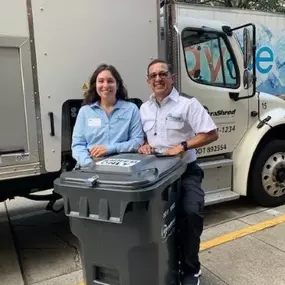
[[154, 173], [89, 182]]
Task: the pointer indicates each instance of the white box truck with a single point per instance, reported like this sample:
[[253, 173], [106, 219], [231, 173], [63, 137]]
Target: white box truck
[[50, 48]]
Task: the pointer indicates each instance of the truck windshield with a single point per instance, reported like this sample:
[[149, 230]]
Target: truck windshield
[[208, 58]]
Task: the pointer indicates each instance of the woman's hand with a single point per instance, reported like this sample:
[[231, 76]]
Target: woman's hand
[[98, 151]]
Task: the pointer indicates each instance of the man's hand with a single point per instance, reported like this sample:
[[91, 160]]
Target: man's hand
[[146, 149], [174, 150], [98, 151]]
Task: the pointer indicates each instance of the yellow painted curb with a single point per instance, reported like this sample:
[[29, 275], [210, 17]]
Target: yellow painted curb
[[241, 233], [238, 234]]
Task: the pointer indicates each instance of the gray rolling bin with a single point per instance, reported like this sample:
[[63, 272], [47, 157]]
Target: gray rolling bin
[[123, 211]]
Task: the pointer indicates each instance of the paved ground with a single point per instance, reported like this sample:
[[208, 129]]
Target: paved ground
[[47, 253]]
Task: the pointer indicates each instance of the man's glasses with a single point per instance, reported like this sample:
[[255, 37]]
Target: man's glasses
[[161, 75]]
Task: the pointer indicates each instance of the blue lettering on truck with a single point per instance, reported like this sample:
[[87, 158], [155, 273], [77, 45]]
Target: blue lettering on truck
[[270, 59], [264, 59]]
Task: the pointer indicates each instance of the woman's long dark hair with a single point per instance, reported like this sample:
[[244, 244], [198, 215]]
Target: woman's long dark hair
[[92, 96]]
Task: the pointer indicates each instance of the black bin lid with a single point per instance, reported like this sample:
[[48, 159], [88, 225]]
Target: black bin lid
[[103, 190], [123, 171]]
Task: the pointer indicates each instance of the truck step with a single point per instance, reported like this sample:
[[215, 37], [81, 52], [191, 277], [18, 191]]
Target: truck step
[[220, 196], [215, 163]]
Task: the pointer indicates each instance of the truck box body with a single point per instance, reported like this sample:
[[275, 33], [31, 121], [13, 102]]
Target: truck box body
[[70, 39]]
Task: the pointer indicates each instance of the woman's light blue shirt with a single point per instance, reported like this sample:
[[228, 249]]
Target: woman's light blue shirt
[[121, 131]]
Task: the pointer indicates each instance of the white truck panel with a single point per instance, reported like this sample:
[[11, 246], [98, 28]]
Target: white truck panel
[[270, 41], [16, 25], [236, 17], [70, 45]]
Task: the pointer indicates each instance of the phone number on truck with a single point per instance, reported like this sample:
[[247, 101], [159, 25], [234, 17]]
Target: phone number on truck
[[210, 149], [226, 129]]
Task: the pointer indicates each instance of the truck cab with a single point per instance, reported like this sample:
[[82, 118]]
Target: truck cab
[[216, 63]]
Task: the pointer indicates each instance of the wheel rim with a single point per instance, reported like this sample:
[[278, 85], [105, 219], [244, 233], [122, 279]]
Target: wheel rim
[[273, 175]]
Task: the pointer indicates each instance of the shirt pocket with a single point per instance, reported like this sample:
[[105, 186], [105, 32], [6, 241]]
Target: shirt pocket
[[174, 123], [174, 128], [120, 125], [121, 117]]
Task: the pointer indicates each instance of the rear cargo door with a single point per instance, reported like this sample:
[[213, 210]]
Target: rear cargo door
[[18, 132]]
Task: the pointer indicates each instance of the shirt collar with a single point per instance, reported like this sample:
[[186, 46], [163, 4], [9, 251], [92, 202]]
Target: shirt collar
[[119, 104], [174, 95]]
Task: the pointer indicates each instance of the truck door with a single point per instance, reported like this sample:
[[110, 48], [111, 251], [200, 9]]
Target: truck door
[[210, 71]]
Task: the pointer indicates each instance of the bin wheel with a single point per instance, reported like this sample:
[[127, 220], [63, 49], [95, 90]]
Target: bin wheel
[[51, 203]]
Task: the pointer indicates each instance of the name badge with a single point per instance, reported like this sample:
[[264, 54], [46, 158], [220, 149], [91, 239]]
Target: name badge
[[94, 122]]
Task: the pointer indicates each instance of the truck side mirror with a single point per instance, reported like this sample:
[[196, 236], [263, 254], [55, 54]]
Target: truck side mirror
[[249, 57], [248, 80], [247, 48]]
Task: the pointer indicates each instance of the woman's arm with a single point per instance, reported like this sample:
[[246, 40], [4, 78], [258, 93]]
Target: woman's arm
[[79, 144]]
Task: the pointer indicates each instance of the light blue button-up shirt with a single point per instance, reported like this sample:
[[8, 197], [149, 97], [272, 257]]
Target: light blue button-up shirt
[[121, 131]]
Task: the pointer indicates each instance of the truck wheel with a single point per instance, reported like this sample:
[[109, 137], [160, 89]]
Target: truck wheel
[[267, 177]]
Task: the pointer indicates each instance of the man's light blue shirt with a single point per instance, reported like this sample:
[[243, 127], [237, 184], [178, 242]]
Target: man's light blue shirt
[[121, 131]]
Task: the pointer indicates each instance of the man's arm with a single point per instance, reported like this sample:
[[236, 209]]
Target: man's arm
[[202, 124], [198, 141], [203, 139]]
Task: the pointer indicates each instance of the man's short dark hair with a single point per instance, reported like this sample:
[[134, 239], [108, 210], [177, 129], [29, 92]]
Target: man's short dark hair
[[158, 60]]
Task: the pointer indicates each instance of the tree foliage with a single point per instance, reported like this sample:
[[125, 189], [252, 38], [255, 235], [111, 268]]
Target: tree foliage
[[262, 5]]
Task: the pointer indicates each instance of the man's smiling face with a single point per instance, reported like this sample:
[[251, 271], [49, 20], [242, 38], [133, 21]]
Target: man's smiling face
[[160, 79]]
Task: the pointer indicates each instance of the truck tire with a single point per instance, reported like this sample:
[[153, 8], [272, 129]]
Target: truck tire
[[267, 176]]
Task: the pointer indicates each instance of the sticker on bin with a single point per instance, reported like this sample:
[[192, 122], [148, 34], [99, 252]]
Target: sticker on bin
[[122, 162]]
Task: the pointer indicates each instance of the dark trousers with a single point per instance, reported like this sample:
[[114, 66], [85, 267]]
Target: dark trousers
[[190, 220]]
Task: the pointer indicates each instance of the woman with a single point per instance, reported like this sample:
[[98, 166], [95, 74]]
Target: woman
[[106, 123]]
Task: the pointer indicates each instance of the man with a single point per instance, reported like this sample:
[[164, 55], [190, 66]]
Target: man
[[178, 124]]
